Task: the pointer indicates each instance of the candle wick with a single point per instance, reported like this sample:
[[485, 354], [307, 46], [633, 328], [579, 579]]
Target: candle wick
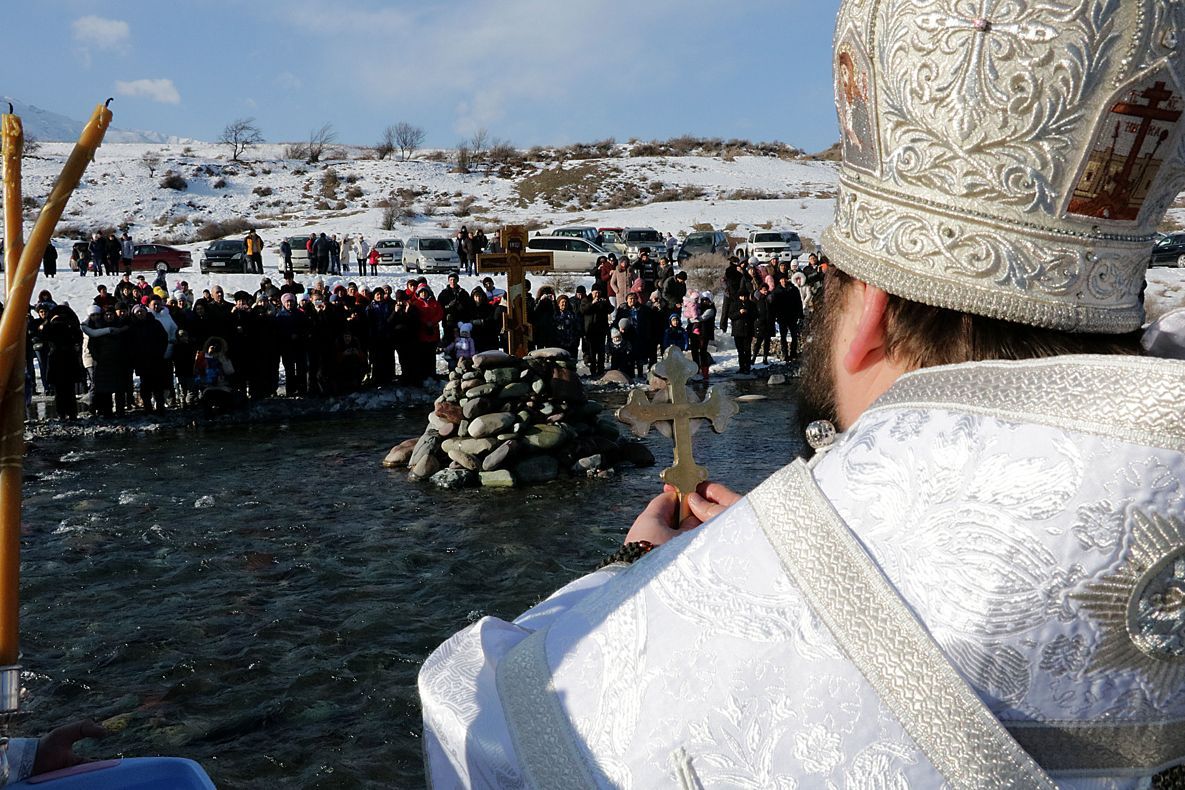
[[105, 104]]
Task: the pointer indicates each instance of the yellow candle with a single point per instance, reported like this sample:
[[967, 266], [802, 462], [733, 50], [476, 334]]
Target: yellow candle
[[14, 235], [12, 408], [21, 278]]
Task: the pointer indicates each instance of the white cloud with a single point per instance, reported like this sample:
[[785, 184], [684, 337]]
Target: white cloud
[[96, 32], [160, 90]]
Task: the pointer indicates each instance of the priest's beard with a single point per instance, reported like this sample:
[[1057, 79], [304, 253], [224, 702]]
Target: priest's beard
[[818, 376]]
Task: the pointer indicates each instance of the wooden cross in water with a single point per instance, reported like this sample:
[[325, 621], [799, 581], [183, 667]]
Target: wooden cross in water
[[680, 408], [516, 262]]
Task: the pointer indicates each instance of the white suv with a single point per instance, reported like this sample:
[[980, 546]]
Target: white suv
[[766, 244], [390, 251], [638, 238], [569, 254]]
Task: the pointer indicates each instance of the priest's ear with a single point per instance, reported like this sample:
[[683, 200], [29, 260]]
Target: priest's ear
[[868, 345]]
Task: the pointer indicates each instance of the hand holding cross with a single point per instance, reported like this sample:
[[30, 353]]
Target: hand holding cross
[[640, 413]]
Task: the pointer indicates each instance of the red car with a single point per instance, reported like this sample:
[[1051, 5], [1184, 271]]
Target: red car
[[150, 258]]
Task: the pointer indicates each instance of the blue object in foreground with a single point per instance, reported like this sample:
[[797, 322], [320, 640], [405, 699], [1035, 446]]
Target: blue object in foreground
[[135, 773]]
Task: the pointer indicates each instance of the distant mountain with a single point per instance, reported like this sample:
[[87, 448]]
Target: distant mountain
[[51, 127]]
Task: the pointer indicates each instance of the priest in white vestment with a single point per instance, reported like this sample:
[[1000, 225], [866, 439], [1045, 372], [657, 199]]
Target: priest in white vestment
[[979, 580]]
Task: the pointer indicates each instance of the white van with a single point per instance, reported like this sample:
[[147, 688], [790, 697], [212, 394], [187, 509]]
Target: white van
[[569, 254]]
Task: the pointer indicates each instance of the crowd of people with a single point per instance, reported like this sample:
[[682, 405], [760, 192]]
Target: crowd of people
[[144, 345]]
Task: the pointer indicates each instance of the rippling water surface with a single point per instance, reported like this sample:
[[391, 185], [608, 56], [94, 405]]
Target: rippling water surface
[[260, 599]]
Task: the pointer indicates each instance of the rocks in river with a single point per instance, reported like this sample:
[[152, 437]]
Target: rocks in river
[[502, 422], [450, 479], [502, 478], [491, 424], [400, 454]]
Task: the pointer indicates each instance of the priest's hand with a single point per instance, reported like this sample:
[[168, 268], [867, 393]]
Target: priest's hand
[[55, 751], [654, 523]]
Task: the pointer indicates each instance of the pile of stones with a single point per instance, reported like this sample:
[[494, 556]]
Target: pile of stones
[[502, 421]]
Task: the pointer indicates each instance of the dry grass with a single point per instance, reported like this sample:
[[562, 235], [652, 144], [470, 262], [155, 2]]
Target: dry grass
[[562, 186], [704, 272]]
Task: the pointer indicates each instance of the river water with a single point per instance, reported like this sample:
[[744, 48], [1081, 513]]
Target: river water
[[260, 599]]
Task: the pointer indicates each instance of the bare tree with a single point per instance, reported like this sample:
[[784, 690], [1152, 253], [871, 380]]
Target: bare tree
[[32, 145], [240, 135], [477, 143], [151, 161], [408, 138], [386, 145], [318, 140]]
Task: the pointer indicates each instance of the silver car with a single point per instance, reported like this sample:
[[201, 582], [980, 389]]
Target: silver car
[[430, 254], [390, 251]]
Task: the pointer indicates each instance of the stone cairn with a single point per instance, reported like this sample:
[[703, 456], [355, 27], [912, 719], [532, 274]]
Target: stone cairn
[[503, 421]]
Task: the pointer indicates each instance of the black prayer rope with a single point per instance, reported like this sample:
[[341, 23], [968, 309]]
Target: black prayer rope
[[627, 553]]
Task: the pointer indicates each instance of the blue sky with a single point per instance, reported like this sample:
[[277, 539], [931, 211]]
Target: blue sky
[[528, 71]]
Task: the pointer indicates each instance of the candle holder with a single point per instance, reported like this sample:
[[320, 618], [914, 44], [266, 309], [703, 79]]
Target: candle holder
[[10, 708]]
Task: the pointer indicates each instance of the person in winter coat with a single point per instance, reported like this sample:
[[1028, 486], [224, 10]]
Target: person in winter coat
[[428, 314], [462, 346], [732, 286], [465, 249], [212, 370], [596, 311], [347, 252], [321, 253], [787, 310], [674, 288], [49, 261], [675, 335], [286, 256], [63, 340], [743, 318], [763, 324], [149, 342], [485, 320], [379, 320], [621, 354], [702, 332], [567, 326], [98, 251], [127, 252], [619, 283], [105, 346]]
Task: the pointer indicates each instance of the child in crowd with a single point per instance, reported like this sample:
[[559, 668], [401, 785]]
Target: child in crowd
[[462, 346]]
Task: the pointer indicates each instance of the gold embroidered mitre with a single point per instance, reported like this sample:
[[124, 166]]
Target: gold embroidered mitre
[[1009, 158]]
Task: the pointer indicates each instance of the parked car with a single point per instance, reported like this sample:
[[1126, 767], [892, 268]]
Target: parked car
[[1169, 251], [611, 240], [586, 232], [569, 254], [637, 239], [151, 257], [225, 255], [390, 251], [300, 254], [703, 242], [766, 244], [430, 254]]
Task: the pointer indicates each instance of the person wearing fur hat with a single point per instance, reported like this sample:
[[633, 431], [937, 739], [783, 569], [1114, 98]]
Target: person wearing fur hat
[[977, 579]]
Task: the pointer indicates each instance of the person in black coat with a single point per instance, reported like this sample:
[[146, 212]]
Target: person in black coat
[[49, 261], [763, 325], [63, 339], [595, 310], [787, 309], [743, 317], [148, 342]]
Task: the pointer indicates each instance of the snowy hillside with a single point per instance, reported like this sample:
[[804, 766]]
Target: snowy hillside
[[352, 195]]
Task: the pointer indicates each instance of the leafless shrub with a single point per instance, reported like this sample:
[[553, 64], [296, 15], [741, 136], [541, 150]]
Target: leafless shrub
[[464, 159], [296, 151], [208, 231], [150, 161], [353, 193], [174, 180], [329, 184], [262, 191], [674, 194], [477, 141], [436, 156], [465, 207], [219, 184], [390, 218]]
